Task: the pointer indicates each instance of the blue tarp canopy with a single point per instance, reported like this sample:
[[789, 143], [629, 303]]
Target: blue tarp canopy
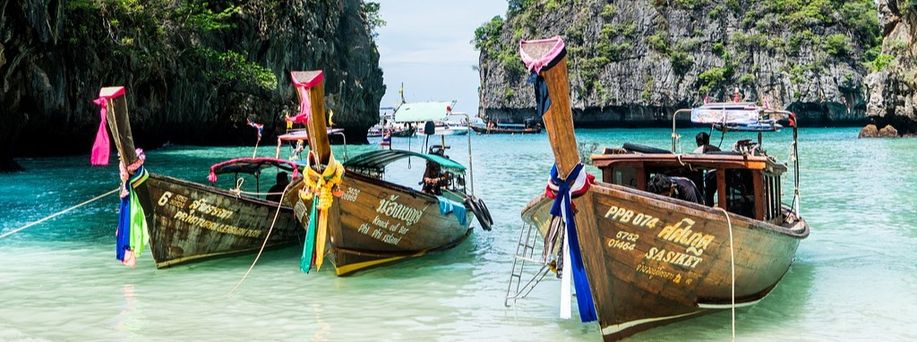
[[379, 159]]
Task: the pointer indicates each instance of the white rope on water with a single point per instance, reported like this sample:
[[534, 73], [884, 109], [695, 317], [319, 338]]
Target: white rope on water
[[732, 262], [14, 231], [263, 244]]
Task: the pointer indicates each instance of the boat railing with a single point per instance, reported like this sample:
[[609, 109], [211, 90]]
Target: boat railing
[[674, 133]]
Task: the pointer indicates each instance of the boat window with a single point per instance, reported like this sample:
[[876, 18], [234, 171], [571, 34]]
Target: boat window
[[624, 175], [740, 192]]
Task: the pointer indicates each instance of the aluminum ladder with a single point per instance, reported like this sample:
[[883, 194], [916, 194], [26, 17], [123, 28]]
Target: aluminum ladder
[[525, 250]]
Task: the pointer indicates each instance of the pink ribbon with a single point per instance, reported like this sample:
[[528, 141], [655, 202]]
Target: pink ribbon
[[305, 106], [532, 64], [101, 148]]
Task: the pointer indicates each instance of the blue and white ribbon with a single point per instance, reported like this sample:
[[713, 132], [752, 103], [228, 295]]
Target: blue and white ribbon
[[576, 184]]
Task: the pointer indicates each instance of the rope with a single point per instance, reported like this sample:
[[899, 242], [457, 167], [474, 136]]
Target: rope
[[14, 231], [732, 262], [263, 244], [238, 189]]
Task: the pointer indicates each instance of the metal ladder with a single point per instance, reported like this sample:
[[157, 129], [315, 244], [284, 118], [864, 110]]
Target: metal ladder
[[525, 250]]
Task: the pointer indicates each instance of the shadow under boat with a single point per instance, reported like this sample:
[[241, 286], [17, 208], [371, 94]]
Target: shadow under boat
[[187, 221]]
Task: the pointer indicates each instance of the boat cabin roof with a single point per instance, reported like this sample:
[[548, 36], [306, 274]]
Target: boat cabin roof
[[251, 166], [380, 158], [724, 160]]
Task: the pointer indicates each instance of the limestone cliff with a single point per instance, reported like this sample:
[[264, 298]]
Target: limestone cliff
[[194, 70], [634, 62], [893, 85]]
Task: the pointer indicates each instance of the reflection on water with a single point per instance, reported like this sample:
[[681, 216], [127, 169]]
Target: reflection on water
[[853, 278]]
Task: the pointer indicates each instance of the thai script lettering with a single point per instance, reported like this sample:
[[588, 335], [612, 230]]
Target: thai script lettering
[[203, 207], [389, 207], [191, 219], [658, 272], [695, 242]]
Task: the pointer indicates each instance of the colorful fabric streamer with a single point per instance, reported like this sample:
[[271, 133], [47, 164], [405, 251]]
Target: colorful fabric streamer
[[321, 188], [305, 104], [308, 248], [563, 191], [101, 148], [132, 227], [259, 127]]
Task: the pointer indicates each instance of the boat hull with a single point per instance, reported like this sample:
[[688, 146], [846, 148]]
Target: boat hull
[[404, 133], [377, 222], [188, 221], [652, 260], [499, 130]]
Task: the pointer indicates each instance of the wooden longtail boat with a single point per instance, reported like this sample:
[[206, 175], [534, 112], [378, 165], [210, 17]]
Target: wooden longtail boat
[[375, 221], [653, 259], [188, 221], [505, 129]]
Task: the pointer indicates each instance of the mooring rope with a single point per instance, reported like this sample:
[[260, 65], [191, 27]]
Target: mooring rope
[[14, 231], [732, 262], [263, 244]]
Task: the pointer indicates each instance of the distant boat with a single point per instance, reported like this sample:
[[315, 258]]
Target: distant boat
[[375, 221], [504, 128], [640, 259], [443, 128], [187, 221]]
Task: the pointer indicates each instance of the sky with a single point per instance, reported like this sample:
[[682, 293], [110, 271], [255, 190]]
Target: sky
[[427, 45]]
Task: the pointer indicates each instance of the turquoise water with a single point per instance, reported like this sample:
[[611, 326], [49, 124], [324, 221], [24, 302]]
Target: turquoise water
[[855, 277]]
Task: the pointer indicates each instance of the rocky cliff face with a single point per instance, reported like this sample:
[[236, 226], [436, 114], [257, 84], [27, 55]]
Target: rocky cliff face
[[194, 70], [893, 86], [634, 62]]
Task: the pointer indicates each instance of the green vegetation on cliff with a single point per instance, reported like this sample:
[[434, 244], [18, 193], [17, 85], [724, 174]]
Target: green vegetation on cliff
[[195, 70], [150, 32], [601, 32]]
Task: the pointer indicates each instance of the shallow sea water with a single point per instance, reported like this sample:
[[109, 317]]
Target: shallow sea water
[[855, 277]]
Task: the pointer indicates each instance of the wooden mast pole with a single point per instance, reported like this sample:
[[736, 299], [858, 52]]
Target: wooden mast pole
[[317, 127], [119, 123], [558, 120]]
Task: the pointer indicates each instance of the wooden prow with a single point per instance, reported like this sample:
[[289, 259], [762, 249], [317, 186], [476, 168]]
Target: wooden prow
[[558, 120], [119, 123], [317, 127]]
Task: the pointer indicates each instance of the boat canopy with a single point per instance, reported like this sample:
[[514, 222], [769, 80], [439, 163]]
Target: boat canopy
[[742, 113], [726, 113], [422, 111], [251, 166], [379, 159]]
